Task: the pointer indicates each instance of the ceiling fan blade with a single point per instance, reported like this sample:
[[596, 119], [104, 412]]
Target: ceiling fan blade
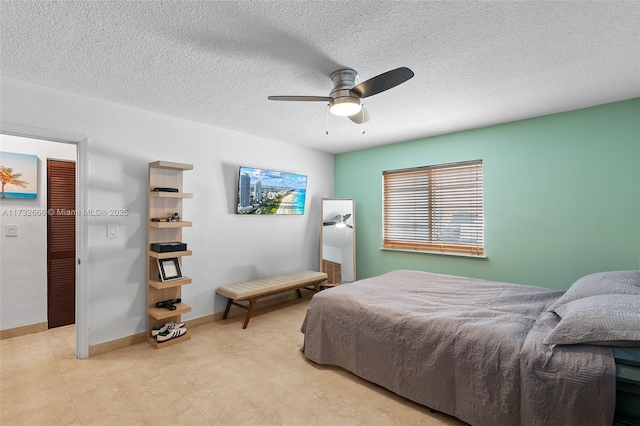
[[382, 82], [300, 98], [329, 223], [360, 117], [346, 216]]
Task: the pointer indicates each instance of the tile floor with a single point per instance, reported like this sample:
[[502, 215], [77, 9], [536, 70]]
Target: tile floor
[[223, 376]]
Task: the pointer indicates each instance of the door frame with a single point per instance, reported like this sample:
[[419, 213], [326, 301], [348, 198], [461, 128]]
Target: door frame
[[82, 221]]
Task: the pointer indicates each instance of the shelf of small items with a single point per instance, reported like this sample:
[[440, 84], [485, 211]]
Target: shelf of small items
[[165, 224], [163, 313]]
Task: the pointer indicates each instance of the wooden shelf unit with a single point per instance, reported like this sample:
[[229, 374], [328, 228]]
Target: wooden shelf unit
[[170, 195], [165, 174], [169, 254], [157, 284], [167, 225], [163, 314]]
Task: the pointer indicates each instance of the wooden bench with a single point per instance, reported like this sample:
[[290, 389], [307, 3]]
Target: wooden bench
[[253, 290]]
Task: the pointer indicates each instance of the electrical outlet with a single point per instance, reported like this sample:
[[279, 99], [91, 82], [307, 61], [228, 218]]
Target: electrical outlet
[[11, 231], [112, 230]]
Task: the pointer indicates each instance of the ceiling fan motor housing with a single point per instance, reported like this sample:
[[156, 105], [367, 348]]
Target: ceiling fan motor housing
[[343, 101]]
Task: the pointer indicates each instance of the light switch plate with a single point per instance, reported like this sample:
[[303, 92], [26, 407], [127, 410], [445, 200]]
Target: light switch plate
[[112, 230], [11, 231]]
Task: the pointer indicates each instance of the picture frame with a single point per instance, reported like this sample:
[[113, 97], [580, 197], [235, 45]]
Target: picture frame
[[19, 175], [169, 269]]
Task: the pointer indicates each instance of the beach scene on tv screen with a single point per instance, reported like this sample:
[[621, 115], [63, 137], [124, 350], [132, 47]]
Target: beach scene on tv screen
[[270, 192]]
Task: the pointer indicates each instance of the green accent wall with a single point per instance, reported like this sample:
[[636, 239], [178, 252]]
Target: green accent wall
[[562, 196]]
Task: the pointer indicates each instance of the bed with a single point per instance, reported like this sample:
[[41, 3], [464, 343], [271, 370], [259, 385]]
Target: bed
[[488, 353]]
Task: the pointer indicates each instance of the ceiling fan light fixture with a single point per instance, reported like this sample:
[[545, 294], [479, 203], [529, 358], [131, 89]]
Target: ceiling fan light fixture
[[345, 106], [341, 225]]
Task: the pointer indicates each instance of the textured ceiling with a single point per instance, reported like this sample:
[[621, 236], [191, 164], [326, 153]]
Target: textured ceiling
[[215, 62]]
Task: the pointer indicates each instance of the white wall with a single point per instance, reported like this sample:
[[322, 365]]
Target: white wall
[[226, 248], [23, 259]]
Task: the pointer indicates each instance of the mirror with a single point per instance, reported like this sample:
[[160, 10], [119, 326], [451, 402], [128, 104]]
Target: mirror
[[338, 240]]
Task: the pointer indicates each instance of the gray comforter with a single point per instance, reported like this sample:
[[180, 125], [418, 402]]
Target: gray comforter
[[467, 347]]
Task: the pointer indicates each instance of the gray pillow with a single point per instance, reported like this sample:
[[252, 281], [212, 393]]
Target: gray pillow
[[612, 282], [609, 319]]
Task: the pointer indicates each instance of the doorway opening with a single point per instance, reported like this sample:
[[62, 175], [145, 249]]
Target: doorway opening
[[79, 222]]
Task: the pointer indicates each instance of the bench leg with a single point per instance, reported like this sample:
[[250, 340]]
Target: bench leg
[[226, 311], [252, 304]]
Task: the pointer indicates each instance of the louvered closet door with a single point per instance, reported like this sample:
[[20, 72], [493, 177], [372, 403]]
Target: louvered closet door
[[61, 243]]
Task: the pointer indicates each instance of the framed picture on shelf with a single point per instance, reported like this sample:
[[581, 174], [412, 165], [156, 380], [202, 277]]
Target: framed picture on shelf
[[169, 269]]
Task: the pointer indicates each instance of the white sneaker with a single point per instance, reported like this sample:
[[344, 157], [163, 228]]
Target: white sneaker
[[171, 334], [167, 326]]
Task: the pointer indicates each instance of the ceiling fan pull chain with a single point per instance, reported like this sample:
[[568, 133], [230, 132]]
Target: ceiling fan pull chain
[[327, 131], [363, 122]]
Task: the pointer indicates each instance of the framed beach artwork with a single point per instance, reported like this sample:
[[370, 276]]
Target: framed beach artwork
[[267, 192], [19, 175]]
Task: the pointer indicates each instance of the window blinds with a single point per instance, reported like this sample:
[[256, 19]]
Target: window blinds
[[434, 208]]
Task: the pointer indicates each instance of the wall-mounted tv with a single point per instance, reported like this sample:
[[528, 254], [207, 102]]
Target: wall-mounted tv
[[263, 191]]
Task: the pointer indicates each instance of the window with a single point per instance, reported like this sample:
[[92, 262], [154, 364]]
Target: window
[[434, 208]]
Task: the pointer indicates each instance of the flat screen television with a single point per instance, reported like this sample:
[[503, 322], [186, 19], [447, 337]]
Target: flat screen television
[[263, 191]]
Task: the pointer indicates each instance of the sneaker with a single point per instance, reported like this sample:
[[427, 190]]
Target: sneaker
[[171, 334], [167, 326]]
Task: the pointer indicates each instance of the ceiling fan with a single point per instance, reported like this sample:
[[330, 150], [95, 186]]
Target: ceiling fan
[[339, 221], [345, 99]]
